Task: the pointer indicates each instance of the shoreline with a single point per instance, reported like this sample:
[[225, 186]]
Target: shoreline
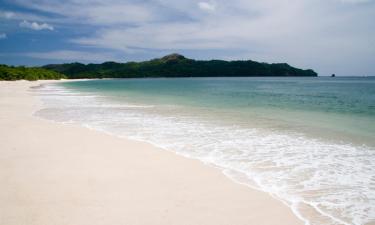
[[79, 183]]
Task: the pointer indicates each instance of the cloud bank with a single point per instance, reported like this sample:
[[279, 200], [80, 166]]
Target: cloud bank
[[68, 55]]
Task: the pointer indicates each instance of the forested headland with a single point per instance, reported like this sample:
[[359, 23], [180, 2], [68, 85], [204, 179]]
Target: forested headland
[[176, 65], [173, 65]]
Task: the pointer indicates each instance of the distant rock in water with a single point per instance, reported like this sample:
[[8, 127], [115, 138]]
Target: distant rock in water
[[333, 75], [176, 65]]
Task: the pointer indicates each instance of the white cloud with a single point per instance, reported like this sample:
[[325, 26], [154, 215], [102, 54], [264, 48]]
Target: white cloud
[[3, 35], [36, 25], [207, 6], [68, 55]]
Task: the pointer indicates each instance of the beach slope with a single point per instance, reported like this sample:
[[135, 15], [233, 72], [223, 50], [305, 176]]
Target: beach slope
[[59, 174]]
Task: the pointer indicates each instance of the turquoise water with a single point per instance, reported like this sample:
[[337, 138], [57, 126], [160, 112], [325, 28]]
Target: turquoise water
[[324, 105], [307, 141]]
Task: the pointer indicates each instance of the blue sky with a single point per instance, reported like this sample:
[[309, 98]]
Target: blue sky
[[329, 36]]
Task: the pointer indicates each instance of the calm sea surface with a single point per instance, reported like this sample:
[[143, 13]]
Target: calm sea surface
[[309, 142]]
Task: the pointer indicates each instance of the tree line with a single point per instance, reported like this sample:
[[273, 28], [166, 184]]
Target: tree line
[[28, 73]]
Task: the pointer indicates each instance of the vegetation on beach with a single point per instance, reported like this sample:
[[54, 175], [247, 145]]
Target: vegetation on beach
[[176, 65], [28, 73]]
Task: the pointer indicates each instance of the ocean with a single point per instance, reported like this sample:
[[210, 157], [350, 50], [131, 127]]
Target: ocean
[[307, 141]]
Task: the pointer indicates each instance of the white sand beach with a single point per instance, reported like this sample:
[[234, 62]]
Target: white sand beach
[[59, 174]]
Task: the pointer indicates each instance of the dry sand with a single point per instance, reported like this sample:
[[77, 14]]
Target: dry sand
[[54, 174]]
